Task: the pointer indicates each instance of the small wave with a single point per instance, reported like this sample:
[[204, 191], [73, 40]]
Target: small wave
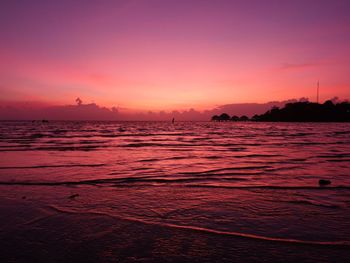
[[229, 169], [301, 134], [114, 181], [37, 219], [98, 142], [259, 237], [25, 148], [59, 131], [272, 187], [37, 135], [245, 174], [307, 202], [341, 132], [334, 155], [52, 166], [145, 144], [151, 144], [177, 158], [342, 243], [213, 157], [287, 168], [150, 160], [236, 149], [165, 159], [296, 160], [68, 148], [258, 156], [306, 143], [159, 182], [338, 160]]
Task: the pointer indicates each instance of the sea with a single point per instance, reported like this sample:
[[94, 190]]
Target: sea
[[164, 192]]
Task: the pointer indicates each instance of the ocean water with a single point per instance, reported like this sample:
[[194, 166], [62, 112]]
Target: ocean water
[[255, 181]]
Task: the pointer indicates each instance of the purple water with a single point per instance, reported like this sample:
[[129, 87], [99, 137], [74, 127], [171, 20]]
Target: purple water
[[256, 181]]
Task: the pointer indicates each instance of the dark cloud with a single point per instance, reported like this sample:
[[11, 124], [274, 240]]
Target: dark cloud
[[30, 111]]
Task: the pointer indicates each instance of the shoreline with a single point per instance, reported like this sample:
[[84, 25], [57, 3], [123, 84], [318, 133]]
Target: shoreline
[[37, 232]]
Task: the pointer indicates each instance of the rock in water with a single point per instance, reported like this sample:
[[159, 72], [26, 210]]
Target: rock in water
[[324, 182], [73, 196]]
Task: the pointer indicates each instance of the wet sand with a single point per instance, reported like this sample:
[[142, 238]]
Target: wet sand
[[32, 232]]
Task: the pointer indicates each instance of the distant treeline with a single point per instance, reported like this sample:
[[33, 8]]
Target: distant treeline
[[226, 117], [299, 112]]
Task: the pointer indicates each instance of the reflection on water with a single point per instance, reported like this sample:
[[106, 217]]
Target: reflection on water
[[196, 154], [258, 180]]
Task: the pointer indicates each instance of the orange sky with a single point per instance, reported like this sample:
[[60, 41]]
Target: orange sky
[[165, 55]]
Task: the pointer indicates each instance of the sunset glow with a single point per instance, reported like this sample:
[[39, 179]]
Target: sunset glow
[[173, 55], [212, 131]]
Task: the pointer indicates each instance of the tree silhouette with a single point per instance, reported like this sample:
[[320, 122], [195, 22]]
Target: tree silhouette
[[234, 118], [308, 111], [78, 101], [225, 117], [215, 118], [301, 111], [244, 118], [222, 117]]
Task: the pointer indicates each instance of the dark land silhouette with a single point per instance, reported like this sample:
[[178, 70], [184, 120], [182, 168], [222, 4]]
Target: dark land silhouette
[[302, 111]]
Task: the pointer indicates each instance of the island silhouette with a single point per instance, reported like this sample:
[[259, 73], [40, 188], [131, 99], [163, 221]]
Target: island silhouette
[[302, 111]]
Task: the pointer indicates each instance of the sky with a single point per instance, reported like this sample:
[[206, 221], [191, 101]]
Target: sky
[[154, 55]]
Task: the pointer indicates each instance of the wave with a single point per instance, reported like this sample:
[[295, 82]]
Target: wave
[[334, 155], [150, 160], [342, 243], [308, 202], [118, 181], [164, 159], [159, 182], [150, 144], [341, 132], [52, 166], [338, 160], [273, 187], [24, 148], [229, 169], [258, 156], [287, 168], [301, 134]]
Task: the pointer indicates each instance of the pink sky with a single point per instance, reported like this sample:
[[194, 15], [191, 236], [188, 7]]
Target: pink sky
[[167, 55]]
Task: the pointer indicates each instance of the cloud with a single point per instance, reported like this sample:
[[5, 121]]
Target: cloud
[[292, 66], [305, 65], [37, 111], [67, 112]]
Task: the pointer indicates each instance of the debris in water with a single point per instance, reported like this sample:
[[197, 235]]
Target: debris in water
[[73, 196], [324, 182]]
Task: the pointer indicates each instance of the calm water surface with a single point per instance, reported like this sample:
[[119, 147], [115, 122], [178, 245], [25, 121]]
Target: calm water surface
[[256, 180]]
